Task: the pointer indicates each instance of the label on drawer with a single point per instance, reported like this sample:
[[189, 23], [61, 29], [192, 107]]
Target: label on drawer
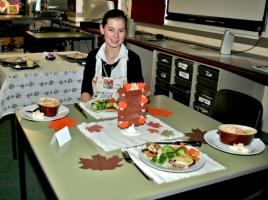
[[163, 75], [205, 101], [184, 75], [183, 66]]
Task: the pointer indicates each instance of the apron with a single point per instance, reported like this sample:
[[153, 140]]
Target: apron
[[106, 87]]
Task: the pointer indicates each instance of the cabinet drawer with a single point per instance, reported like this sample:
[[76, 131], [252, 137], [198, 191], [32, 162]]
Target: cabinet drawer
[[162, 82], [160, 90], [200, 107], [207, 82], [183, 74], [163, 67], [183, 82], [203, 99], [164, 58], [208, 72], [181, 95], [205, 90], [184, 64], [163, 75]]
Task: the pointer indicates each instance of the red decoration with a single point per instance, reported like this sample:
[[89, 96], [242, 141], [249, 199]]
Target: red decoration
[[132, 104], [153, 124], [99, 162], [151, 130], [159, 111], [61, 123], [94, 128]]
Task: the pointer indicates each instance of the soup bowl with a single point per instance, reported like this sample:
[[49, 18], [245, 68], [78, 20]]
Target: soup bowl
[[234, 134], [49, 106]]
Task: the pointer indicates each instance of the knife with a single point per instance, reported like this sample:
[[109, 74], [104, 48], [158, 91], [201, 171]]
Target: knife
[[77, 106], [191, 143]]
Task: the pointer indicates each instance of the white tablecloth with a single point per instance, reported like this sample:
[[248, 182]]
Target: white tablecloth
[[58, 78]]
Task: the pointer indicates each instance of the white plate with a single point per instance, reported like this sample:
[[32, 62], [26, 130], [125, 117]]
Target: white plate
[[88, 106], [15, 60], [63, 111], [77, 56], [198, 164], [213, 139]]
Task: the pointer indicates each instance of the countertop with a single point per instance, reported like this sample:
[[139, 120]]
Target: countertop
[[239, 63]]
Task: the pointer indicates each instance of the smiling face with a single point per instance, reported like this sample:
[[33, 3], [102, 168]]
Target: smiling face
[[114, 32]]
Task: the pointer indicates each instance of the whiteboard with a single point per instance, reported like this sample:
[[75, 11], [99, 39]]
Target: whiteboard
[[234, 9]]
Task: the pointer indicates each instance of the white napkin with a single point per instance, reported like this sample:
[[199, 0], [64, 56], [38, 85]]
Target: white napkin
[[97, 115], [112, 138], [161, 177]]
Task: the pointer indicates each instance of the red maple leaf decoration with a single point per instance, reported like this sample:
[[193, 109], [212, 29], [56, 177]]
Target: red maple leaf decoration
[[151, 130], [155, 125], [94, 128], [61, 123], [99, 162]]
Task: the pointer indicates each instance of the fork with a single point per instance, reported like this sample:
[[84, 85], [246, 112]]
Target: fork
[[129, 160]]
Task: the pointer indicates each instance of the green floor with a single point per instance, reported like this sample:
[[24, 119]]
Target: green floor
[[9, 176]]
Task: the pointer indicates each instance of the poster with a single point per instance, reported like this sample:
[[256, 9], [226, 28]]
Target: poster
[[10, 7]]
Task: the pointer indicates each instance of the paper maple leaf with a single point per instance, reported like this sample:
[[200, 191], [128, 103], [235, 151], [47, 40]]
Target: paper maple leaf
[[153, 124], [151, 130], [196, 135], [167, 133], [61, 123], [99, 162], [94, 128]]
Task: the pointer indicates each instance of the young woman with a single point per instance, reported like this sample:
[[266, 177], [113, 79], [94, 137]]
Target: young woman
[[111, 65]]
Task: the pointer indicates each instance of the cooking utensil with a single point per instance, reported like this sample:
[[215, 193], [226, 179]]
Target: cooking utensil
[[128, 159]]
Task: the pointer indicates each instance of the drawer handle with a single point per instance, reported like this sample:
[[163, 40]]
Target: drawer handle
[[207, 73], [163, 75]]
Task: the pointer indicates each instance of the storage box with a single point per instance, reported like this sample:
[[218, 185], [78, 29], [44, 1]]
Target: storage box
[[160, 90], [184, 74], [164, 58], [182, 82], [208, 72], [205, 90], [207, 82], [180, 94], [200, 107], [163, 75], [184, 64]]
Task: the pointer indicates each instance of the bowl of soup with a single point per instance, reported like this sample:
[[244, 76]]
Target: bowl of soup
[[236, 134], [49, 106]]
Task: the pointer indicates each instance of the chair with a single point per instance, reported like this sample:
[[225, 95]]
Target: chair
[[233, 107]]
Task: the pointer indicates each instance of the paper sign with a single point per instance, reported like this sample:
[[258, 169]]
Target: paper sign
[[62, 136]]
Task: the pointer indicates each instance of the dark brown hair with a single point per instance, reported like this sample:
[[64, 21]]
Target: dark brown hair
[[114, 13]]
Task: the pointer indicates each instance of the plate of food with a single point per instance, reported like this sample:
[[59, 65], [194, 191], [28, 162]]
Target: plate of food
[[104, 105], [77, 56], [15, 60], [255, 147], [32, 113], [172, 158]]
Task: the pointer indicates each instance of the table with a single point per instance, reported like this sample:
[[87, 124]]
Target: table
[[61, 168], [58, 78], [19, 88], [38, 41]]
